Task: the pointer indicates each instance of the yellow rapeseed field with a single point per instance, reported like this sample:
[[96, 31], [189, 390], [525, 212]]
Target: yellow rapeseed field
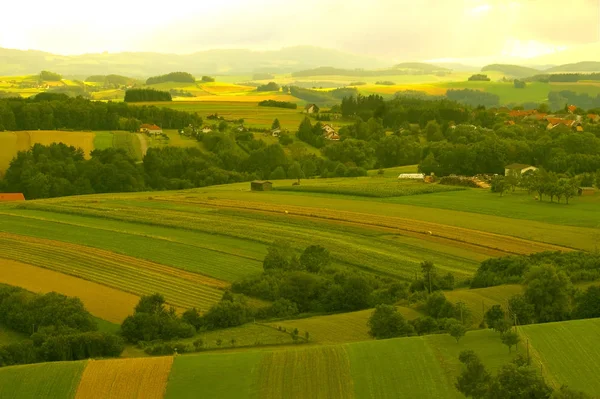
[[102, 301], [144, 378]]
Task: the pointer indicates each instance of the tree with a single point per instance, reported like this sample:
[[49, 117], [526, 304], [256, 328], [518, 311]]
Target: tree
[[513, 180], [510, 339], [493, 316], [438, 307], [588, 303], [474, 380], [277, 174], [278, 256], [517, 382], [499, 185], [429, 273], [549, 291], [425, 325], [315, 258], [520, 309], [275, 124], [567, 188], [456, 330], [295, 172], [309, 168], [519, 84], [566, 393], [387, 322]]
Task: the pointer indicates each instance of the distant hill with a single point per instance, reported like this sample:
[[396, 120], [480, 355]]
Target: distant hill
[[515, 71], [405, 68], [422, 67], [584, 66], [456, 67], [213, 62]]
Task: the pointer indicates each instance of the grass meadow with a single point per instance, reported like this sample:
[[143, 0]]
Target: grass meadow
[[45, 380]]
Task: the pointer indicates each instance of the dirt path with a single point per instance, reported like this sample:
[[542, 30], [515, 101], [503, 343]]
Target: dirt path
[[143, 144]]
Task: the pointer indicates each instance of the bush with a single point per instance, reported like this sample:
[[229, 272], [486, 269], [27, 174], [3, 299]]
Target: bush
[[387, 322], [278, 104]]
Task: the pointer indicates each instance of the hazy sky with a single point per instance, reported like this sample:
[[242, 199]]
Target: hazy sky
[[394, 29]]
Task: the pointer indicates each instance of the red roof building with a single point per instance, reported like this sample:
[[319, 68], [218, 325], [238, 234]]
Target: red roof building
[[6, 197]]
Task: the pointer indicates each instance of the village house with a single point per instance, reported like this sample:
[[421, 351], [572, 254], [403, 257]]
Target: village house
[[329, 133], [311, 109], [518, 168], [261, 185], [206, 129], [594, 117], [571, 108], [151, 129], [8, 197], [570, 123]]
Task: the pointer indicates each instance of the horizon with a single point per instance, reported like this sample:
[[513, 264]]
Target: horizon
[[525, 33]]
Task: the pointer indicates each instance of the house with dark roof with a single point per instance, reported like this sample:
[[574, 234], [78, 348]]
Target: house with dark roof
[[311, 109]]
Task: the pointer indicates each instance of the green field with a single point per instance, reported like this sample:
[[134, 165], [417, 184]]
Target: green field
[[231, 375], [45, 380], [568, 351], [8, 336]]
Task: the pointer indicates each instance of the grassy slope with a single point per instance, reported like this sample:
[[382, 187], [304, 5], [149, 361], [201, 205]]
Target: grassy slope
[[569, 352], [232, 375], [478, 299], [8, 336], [46, 380], [407, 366]]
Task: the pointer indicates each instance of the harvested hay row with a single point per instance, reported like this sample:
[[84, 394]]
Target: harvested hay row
[[125, 378], [102, 301], [117, 271]]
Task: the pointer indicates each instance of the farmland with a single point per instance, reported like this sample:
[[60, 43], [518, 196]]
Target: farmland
[[568, 352], [13, 142], [126, 378], [102, 301], [45, 380]]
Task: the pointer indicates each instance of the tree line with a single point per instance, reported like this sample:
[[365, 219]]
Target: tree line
[[49, 111], [58, 329], [143, 95], [181, 77]]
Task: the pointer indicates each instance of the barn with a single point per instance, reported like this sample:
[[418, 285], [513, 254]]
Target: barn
[[261, 185], [6, 197], [586, 191]]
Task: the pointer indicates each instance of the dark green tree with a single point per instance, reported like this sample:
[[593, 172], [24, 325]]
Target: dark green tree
[[387, 322]]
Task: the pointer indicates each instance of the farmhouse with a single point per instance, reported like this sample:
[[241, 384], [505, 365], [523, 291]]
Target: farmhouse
[[518, 168], [584, 191], [150, 129], [554, 122], [594, 117], [6, 197], [311, 109], [261, 185], [206, 129], [571, 108], [329, 133], [411, 176]]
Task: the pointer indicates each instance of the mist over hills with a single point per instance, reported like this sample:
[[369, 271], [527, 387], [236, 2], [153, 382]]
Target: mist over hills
[[223, 61]]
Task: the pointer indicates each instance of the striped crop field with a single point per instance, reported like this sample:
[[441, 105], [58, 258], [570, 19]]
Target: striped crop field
[[568, 351], [306, 373], [102, 301], [45, 380], [136, 276], [125, 378], [338, 328]]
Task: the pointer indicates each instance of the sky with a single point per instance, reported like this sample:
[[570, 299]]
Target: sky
[[399, 30]]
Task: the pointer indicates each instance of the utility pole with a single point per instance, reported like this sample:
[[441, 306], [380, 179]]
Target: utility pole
[[429, 273], [528, 360]]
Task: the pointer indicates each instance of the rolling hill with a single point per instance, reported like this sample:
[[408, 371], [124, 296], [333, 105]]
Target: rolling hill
[[584, 66], [516, 71]]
